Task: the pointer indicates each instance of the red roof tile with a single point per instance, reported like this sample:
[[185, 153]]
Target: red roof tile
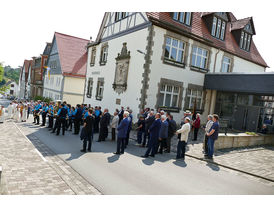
[[200, 29], [72, 54]]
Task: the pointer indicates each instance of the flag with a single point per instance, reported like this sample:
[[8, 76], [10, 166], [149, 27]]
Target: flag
[[48, 71]]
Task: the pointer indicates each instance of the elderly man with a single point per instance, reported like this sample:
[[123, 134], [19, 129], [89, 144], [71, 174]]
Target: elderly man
[[148, 122], [207, 128], [163, 134], [154, 131], [184, 131], [114, 125], [212, 136], [122, 134]]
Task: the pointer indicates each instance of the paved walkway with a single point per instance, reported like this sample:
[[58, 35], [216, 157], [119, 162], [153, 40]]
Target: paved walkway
[[29, 167], [257, 161]]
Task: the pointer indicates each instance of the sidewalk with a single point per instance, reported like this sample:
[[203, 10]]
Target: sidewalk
[[29, 167], [256, 161]]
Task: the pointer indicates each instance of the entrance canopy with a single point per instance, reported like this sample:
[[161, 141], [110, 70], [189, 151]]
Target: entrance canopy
[[260, 83]]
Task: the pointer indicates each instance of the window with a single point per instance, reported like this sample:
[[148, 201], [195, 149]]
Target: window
[[12, 85], [120, 15], [104, 54], [182, 17], [226, 64], [194, 96], [93, 55], [169, 96], [52, 80], [245, 41], [100, 89], [218, 28], [174, 50], [199, 57], [89, 87]]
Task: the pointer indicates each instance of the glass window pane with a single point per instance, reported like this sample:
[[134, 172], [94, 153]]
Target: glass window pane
[[198, 62], [163, 87], [174, 42], [173, 53], [169, 88], [180, 56], [168, 40], [182, 17], [188, 91], [175, 15], [193, 59], [168, 99], [198, 103], [214, 26], [176, 90], [200, 51], [181, 45], [167, 51], [161, 99], [188, 17], [205, 53], [174, 101], [242, 40], [187, 102], [223, 31]]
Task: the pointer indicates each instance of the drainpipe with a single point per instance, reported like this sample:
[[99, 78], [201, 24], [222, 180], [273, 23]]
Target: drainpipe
[[215, 60]]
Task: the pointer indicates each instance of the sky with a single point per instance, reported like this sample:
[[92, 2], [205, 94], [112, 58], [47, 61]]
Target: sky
[[26, 25]]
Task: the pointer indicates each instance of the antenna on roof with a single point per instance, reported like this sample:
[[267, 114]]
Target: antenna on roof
[[90, 39]]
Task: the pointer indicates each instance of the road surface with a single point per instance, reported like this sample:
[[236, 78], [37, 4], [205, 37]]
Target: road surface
[[131, 174]]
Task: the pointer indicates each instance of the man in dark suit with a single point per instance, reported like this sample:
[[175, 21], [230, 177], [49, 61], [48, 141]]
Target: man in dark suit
[[121, 114], [78, 117], [61, 115], [122, 134], [154, 131], [104, 122], [149, 121]]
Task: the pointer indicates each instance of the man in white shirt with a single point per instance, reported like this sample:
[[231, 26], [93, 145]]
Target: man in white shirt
[[184, 131], [207, 128], [114, 125], [10, 108]]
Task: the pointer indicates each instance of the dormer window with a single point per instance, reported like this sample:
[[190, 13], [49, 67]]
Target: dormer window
[[182, 17], [218, 28], [120, 15], [245, 41]]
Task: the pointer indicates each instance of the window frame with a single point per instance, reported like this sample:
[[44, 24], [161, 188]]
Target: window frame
[[225, 63], [189, 97], [89, 88], [93, 56], [182, 17], [104, 54], [120, 15], [100, 89], [172, 94], [183, 50], [245, 41], [218, 30], [197, 54]]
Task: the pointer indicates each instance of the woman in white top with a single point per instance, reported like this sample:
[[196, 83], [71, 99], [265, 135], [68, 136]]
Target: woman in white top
[[184, 131], [25, 112], [10, 108], [114, 125]]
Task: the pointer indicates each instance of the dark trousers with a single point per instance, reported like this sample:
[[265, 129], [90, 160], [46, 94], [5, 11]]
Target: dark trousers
[[113, 134], [103, 134], [120, 145], [206, 146], [152, 147], [70, 123], [37, 118], [140, 135], [50, 121], [168, 143], [96, 125], [196, 133], [88, 141], [181, 149], [77, 126], [44, 115], [62, 123], [146, 138], [210, 144], [127, 139], [162, 144]]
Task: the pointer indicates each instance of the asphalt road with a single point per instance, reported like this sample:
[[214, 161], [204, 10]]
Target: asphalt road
[[131, 174]]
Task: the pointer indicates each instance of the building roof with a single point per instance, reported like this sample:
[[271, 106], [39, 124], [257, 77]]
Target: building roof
[[199, 29], [73, 54]]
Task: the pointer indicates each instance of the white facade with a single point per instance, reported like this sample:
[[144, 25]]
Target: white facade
[[181, 79], [22, 84], [14, 90], [53, 86]]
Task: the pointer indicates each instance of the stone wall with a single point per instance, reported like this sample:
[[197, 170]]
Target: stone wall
[[242, 140]]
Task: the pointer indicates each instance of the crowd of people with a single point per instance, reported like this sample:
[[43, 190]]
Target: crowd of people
[[155, 128]]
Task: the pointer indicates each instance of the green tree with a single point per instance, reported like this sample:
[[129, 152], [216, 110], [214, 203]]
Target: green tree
[[1, 72]]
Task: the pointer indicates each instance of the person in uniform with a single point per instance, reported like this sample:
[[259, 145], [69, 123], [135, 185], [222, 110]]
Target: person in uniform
[[78, 116], [122, 134], [44, 114], [87, 130], [51, 115], [154, 131], [61, 116], [104, 122]]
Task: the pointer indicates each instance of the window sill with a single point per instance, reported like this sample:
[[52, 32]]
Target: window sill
[[102, 63], [174, 63], [170, 109], [88, 96], [91, 64], [196, 69], [99, 98]]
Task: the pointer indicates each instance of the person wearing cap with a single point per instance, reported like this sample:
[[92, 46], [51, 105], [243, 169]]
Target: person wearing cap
[[184, 131]]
